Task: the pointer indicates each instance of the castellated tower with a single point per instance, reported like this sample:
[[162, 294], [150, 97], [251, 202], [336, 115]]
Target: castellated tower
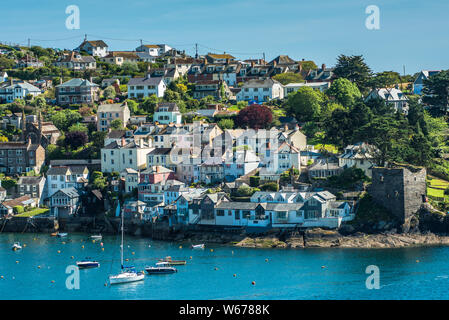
[[401, 189]]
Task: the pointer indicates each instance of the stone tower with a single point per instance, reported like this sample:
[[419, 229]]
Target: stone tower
[[401, 189]]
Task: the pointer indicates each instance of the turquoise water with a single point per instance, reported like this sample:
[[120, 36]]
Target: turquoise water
[[288, 274]]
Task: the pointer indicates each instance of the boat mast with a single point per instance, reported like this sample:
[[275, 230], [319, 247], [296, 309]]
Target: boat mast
[[122, 242]]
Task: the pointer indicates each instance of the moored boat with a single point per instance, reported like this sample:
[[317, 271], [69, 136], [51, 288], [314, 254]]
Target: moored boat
[[172, 262], [87, 263], [127, 273], [198, 246], [160, 270], [16, 246], [62, 235], [54, 234], [96, 237]]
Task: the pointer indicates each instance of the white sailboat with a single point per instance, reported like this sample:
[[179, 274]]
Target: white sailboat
[[128, 273]]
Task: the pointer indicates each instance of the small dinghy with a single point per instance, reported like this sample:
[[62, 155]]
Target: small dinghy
[[87, 264], [96, 237], [62, 235], [171, 262], [198, 246], [16, 246], [160, 270]]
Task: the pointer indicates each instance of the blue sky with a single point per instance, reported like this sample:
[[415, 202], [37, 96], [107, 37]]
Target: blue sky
[[412, 33]]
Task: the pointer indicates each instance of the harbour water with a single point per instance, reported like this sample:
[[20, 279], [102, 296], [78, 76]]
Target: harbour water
[[38, 271]]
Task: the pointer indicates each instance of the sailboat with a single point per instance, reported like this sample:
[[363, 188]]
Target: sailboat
[[128, 273]]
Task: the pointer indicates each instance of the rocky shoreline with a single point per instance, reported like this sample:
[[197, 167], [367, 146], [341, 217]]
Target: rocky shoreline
[[318, 238]]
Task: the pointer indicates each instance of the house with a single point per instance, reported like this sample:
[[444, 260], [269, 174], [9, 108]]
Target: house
[[215, 88], [324, 168], [77, 91], [18, 157], [7, 207], [118, 136], [144, 87], [154, 50], [76, 61], [239, 163], [120, 156], [119, 57], [10, 91], [293, 137], [293, 87], [109, 82], [282, 159], [359, 155], [418, 84], [169, 74], [202, 208], [261, 90], [323, 74], [64, 177], [43, 133], [219, 58], [29, 62], [133, 209], [96, 48], [31, 186], [161, 157], [167, 112], [391, 96], [107, 113], [182, 65], [64, 203], [131, 178]]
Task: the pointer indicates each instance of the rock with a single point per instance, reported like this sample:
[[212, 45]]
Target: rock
[[346, 229]]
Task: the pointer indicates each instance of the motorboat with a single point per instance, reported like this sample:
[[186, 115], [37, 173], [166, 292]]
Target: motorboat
[[87, 264], [16, 246], [198, 246], [160, 270]]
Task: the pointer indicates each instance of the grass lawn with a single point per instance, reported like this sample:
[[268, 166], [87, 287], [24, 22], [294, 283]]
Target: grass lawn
[[437, 187], [33, 213], [328, 147]]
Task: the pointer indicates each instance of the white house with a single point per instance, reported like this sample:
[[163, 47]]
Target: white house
[[12, 91], [144, 87], [131, 178], [293, 87], [359, 155], [96, 48], [63, 177], [166, 113], [120, 156], [154, 50], [260, 90], [391, 96]]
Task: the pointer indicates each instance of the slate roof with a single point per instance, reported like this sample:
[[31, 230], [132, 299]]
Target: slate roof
[[77, 82], [112, 107], [151, 81], [30, 180]]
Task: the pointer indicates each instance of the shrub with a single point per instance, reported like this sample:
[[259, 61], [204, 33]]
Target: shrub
[[254, 181], [255, 117], [18, 209], [270, 186]]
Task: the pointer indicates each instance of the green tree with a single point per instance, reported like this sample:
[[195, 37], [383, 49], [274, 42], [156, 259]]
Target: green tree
[[226, 124], [436, 92], [109, 92], [288, 77], [385, 79], [78, 127], [117, 124], [344, 92], [306, 103], [149, 104], [354, 69]]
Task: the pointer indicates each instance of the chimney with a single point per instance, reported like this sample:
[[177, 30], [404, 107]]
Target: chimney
[[323, 66], [274, 63], [90, 79], [158, 169], [60, 80], [123, 141], [252, 63], [11, 81], [297, 127], [141, 143], [285, 127]]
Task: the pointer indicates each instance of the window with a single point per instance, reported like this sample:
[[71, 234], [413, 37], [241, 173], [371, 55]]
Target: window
[[220, 213]]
